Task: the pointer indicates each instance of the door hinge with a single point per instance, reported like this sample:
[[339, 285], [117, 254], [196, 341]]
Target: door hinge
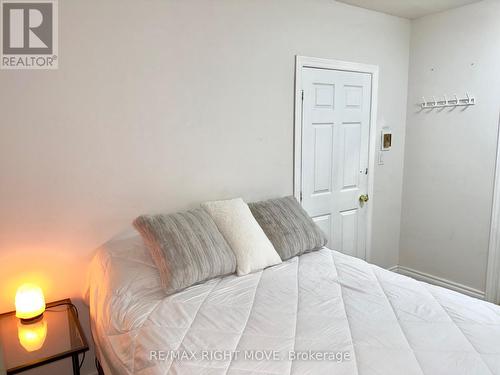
[[302, 95], [301, 196]]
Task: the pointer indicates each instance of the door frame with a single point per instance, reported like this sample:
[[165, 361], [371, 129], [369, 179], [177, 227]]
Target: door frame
[[492, 293], [320, 63]]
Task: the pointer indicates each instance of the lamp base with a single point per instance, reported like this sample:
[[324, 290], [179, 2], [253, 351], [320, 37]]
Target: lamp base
[[32, 320]]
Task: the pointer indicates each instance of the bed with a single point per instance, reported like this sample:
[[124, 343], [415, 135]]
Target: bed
[[320, 313]]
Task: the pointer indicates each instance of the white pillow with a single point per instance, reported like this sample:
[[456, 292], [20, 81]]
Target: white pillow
[[250, 245]]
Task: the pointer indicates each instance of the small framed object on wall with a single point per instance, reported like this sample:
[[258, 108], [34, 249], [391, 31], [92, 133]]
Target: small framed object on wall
[[386, 141]]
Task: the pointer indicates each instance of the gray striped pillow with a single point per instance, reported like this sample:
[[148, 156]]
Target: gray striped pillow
[[288, 226], [186, 247]]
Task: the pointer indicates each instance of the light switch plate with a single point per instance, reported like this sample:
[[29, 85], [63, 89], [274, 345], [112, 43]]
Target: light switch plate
[[381, 158]]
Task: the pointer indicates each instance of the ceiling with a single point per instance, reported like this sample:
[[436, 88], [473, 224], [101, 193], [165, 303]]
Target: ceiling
[[408, 8]]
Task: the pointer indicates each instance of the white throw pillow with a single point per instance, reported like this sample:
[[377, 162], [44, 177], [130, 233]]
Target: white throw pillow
[[252, 248]]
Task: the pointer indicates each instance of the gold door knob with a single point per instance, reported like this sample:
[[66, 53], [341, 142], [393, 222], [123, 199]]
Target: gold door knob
[[363, 198]]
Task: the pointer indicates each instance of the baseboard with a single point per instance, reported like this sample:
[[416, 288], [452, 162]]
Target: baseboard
[[439, 281]]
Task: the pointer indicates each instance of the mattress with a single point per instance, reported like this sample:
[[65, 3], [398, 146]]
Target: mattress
[[320, 313]]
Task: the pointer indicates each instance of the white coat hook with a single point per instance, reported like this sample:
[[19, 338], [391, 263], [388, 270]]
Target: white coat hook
[[470, 99], [447, 102]]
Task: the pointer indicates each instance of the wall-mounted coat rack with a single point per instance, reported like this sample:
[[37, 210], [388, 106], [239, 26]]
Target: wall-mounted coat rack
[[445, 102]]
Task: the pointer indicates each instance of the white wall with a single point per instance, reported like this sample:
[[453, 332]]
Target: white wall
[[159, 105], [450, 155]]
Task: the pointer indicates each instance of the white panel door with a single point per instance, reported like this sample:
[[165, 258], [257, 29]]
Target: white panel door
[[335, 140]]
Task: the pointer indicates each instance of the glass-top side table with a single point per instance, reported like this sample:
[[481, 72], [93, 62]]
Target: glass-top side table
[[56, 336]]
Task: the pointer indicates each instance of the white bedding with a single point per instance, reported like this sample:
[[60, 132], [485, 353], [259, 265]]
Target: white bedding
[[322, 303]]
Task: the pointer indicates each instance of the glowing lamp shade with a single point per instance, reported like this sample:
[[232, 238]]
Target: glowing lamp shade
[[32, 336], [30, 303]]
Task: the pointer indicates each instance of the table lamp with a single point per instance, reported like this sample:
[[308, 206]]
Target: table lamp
[[30, 303]]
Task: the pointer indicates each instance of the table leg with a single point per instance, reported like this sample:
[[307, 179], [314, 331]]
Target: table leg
[[76, 364]]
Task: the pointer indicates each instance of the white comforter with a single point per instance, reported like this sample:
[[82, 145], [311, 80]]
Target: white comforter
[[339, 314]]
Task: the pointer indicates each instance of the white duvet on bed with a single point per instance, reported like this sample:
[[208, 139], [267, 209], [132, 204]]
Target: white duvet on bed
[[340, 314]]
